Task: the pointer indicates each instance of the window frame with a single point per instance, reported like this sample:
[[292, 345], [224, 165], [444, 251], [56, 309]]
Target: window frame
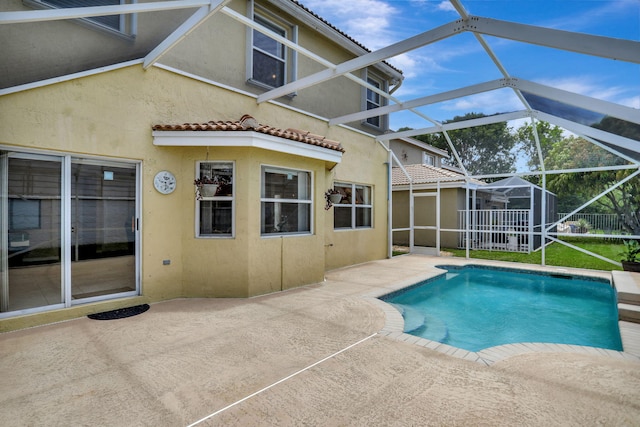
[[264, 169], [349, 204], [231, 199], [289, 56], [369, 104], [127, 22], [426, 157]]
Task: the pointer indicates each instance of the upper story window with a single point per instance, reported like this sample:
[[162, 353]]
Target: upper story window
[[285, 202], [271, 63], [428, 159], [356, 207], [215, 204], [122, 24], [269, 56], [374, 100]]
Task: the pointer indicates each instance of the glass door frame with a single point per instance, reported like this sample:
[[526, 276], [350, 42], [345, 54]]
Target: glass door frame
[[98, 161], [65, 226]]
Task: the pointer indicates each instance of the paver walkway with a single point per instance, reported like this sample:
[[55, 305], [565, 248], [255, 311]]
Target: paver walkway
[[311, 356]]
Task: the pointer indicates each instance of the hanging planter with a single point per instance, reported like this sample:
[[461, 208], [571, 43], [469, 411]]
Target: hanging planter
[[207, 187], [208, 190], [332, 197]]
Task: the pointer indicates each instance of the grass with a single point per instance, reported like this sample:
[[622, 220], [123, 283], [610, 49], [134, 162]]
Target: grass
[[558, 255]]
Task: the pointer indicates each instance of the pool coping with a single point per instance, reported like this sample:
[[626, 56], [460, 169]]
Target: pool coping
[[394, 322]]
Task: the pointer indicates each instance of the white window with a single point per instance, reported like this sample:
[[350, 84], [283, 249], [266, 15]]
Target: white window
[[269, 56], [286, 203], [356, 207], [123, 24], [373, 101], [270, 64], [215, 200], [428, 159]]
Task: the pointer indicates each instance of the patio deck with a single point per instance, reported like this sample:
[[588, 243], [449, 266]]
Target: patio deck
[[325, 354]]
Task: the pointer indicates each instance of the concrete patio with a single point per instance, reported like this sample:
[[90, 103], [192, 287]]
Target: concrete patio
[[327, 354]]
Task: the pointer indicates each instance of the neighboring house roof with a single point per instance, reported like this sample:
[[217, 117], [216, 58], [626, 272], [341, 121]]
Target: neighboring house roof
[[426, 174], [425, 146], [248, 123]]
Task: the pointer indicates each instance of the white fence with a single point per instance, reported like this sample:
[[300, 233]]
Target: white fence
[[609, 223], [500, 229]]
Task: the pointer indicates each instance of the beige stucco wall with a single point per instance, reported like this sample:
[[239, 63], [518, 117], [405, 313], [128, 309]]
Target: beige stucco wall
[[363, 163], [221, 46], [408, 154], [111, 115], [41, 50]]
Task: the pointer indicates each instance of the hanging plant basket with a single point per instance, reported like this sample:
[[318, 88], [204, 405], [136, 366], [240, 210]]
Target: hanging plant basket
[[335, 198], [208, 190], [331, 196]]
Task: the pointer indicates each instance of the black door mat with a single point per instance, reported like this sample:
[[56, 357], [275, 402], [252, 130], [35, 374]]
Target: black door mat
[[120, 313]]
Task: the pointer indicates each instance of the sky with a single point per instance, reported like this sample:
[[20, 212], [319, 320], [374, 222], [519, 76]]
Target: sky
[[461, 61]]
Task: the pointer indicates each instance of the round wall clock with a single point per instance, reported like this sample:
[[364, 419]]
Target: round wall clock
[[164, 182]]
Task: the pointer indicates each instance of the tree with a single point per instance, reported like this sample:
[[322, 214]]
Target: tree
[[482, 149], [579, 187], [548, 136]]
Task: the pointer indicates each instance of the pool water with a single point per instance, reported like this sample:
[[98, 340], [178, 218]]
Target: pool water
[[474, 308]]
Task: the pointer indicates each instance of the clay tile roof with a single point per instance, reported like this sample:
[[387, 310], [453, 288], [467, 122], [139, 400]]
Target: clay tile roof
[[425, 174], [248, 123]]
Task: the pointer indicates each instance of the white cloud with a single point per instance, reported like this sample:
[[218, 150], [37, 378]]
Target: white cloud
[[495, 101], [367, 21], [443, 6], [589, 86], [584, 19], [446, 6], [633, 102]]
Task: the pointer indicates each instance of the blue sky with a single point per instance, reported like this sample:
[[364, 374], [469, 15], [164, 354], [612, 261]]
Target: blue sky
[[460, 60]]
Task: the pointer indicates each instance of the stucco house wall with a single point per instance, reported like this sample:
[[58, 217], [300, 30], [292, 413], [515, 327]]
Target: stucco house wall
[[111, 115], [211, 43], [410, 151], [71, 46]]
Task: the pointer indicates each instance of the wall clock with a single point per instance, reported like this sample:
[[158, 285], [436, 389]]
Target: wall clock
[[164, 182]]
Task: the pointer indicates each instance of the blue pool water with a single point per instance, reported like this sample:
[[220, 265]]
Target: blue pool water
[[476, 307]]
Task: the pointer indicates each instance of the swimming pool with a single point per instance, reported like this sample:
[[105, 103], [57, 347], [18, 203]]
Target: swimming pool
[[477, 307]]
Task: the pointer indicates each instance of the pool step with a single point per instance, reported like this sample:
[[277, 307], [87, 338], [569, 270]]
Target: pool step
[[629, 312], [436, 328], [627, 287], [413, 319], [417, 323]]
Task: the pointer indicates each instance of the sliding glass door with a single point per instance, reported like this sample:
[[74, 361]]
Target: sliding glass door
[[68, 231], [31, 216], [103, 206]]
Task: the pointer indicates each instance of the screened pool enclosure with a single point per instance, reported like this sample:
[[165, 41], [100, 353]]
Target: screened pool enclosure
[[591, 166]]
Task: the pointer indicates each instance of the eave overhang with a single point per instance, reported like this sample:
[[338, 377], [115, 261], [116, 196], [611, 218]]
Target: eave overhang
[[251, 139]]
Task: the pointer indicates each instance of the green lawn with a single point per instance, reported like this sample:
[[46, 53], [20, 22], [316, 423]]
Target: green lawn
[[558, 255]]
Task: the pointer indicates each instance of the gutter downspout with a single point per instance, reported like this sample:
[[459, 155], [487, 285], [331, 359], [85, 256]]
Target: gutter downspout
[[397, 86]]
